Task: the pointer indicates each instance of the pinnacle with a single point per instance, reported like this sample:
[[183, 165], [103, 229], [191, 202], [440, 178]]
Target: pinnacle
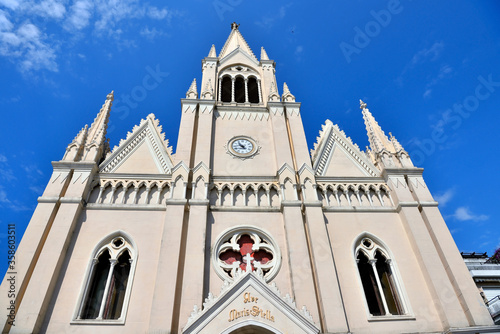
[[192, 92], [212, 52], [263, 54]]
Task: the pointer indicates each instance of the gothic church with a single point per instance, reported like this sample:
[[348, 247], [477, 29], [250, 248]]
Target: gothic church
[[242, 229]]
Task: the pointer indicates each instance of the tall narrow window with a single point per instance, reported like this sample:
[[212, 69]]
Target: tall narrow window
[[253, 90], [379, 283], [227, 89], [239, 90], [107, 288]]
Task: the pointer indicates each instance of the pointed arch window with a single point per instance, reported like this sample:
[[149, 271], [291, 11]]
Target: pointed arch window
[[383, 293], [108, 284]]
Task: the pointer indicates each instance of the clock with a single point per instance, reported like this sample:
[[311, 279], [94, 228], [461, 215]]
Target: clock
[[242, 147]]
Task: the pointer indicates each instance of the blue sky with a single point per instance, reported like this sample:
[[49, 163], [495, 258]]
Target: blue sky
[[428, 70]]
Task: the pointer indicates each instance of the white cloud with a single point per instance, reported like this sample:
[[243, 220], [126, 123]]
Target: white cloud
[[464, 214], [48, 8], [427, 93], [11, 4], [80, 15], [444, 198], [157, 14], [3, 158], [3, 197], [151, 33], [428, 54], [5, 23]]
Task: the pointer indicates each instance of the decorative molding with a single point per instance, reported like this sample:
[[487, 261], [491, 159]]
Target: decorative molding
[[248, 115], [148, 128], [200, 317], [323, 150]]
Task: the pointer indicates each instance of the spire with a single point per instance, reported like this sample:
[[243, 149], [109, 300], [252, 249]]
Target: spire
[[212, 53], [273, 93], [287, 96], [208, 91], [389, 152], [192, 92], [376, 136], [236, 41], [96, 138], [75, 148], [263, 54]]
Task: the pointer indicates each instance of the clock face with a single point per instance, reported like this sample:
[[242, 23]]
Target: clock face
[[242, 146]]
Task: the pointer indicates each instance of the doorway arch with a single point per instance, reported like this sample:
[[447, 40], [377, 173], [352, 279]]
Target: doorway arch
[[251, 327]]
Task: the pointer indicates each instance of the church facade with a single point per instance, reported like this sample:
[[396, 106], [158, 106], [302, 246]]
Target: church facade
[[242, 229]]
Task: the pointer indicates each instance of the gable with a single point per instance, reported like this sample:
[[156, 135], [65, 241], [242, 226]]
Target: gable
[[144, 151], [249, 303], [335, 155], [342, 164]]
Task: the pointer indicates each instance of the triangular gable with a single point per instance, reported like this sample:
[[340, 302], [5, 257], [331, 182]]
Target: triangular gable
[[335, 154], [144, 151], [239, 56], [249, 301], [235, 41]]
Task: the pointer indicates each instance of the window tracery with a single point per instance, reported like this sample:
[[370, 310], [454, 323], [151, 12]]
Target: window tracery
[[244, 246], [379, 280], [107, 288]]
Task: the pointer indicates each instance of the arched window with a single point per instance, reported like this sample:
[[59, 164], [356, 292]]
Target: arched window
[[227, 89], [107, 287], [239, 90], [253, 90], [377, 274]]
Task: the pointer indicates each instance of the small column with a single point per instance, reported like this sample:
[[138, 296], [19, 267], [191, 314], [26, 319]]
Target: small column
[[380, 291], [99, 198], [85, 291], [256, 193], [325, 195], [106, 290], [232, 89], [112, 194], [260, 94], [246, 90], [336, 193], [220, 89], [380, 198]]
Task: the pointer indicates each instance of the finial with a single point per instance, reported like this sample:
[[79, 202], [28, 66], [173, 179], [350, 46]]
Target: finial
[[110, 96], [362, 105], [285, 88], [234, 26]]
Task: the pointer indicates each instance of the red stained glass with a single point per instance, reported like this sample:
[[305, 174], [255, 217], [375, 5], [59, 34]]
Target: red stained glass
[[245, 242]]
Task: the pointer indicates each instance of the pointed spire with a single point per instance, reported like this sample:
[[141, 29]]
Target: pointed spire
[[397, 146], [208, 91], [263, 54], [236, 41], [287, 96], [376, 136], [74, 149], [212, 52], [192, 92], [273, 93], [96, 137]]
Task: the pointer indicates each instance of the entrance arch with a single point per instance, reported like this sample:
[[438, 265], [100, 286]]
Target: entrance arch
[[251, 327]]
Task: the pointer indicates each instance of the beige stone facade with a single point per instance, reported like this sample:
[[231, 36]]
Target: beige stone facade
[[242, 229]]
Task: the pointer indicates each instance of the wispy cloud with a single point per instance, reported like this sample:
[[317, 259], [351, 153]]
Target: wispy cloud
[[444, 197], [268, 21], [422, 56], [24, 38], [444, 72], [464, 214]]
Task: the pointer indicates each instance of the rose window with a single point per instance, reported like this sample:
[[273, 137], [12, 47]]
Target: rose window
[[239, 249]]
